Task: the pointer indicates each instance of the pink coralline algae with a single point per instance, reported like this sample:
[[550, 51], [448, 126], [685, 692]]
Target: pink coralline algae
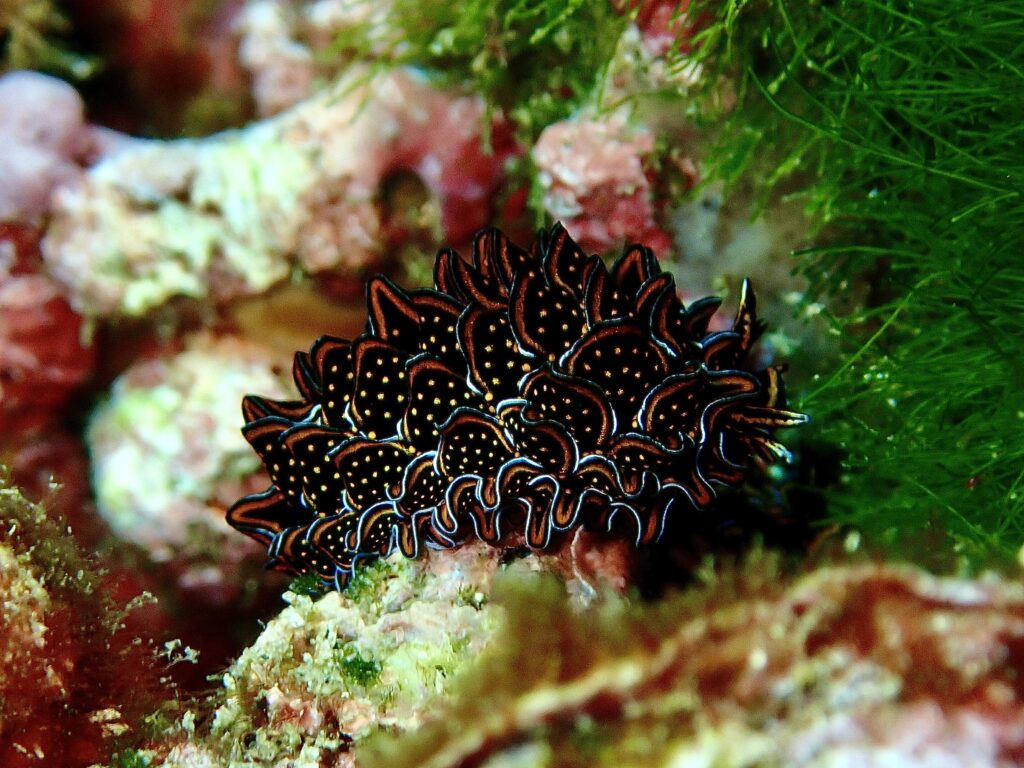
[[664, 24], [237, 213], [43, 356], [282, 69], [595, 181], [44, 141], [283, 46]]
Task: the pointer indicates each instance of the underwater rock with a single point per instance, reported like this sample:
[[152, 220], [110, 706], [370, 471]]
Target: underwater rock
[[325, 673], [288, 47], [593, 175], [431, 663], [846, 665], [51, 468], [282, 70], [167, 456], [23, 621], [163, 67], [41, 358], [241, 211], [722, 239]]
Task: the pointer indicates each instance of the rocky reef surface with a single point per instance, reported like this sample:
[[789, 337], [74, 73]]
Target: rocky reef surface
[[441, 665]]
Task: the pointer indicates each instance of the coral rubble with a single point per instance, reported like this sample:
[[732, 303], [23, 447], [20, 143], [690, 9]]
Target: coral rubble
[[593, 178], [432, 663], [43, 141], [289, 48]]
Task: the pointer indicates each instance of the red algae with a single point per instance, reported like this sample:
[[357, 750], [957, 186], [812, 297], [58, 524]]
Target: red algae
[[43, 358], [74, 682], [53, 469]]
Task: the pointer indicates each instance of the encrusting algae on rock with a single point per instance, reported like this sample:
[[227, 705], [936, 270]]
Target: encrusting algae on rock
[[165, 456], [235, 213], [446, 662], [328, 671], [846, 665]]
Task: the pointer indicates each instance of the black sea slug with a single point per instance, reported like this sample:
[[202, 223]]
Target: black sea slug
[[527, 395]]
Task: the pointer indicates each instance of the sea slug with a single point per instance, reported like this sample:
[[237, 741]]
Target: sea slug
[[528, 394]]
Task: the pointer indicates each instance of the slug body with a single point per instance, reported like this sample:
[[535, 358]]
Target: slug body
[[528, 394]]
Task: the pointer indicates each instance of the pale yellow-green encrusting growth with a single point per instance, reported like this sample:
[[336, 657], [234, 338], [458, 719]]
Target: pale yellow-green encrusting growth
[[233, 214], [327, 672], [166, 449]]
